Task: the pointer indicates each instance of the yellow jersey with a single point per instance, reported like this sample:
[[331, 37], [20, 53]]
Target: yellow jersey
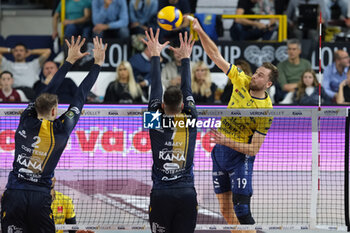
[[62, 209], [241, 129]]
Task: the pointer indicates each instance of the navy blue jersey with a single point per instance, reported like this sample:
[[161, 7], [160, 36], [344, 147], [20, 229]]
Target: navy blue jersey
[[173, 147], [39, 143]]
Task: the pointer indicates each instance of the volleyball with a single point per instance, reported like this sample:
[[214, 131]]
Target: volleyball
[[169, 18]]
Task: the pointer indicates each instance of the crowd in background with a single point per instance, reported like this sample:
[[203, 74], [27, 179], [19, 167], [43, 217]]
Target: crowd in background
[[124, 20]]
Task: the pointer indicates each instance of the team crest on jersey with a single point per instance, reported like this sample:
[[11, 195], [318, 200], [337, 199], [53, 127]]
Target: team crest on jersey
[[59, 209], [70, 114]]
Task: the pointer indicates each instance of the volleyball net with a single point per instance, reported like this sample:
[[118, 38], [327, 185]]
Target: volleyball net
[[298, 180]]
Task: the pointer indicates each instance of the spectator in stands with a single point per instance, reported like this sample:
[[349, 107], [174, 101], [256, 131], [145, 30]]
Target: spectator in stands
[[110, 19], [193, 6], [171, 72], [335, 73], [7, 93], [203, 89], [251, 29], [77, 19], [143, 14], [25, 73], [67, 89], [336, 10], [184, 7], [343, 96], [302, 19], [245, 67], [291, 69], [307, 91], [141, 66], [124, 89]]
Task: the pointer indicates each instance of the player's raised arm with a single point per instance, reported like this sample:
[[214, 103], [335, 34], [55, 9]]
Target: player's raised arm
[[210, 47], [74, 54], [184, 53], [85, 87], [155, 48]]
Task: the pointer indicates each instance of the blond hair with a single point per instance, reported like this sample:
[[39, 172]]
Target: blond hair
[[134, 88], [203, 90]]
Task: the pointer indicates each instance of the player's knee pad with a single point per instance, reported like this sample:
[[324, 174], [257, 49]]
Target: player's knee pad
[[242, 209]]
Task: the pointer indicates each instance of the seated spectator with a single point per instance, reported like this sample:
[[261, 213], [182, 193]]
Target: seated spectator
[[110, 19], [343, 96], [251, 29], [77, 19], [25, 73], [291, 69], [335, 73], [307, 92], [184, 7], [303, 20], [143, 14], [141, 66], [171, 72], [7, 93], [65, 92], [124, 89], [203, 89], [245, 67], [336, 11]]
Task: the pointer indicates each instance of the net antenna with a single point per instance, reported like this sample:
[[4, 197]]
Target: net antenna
[[320, 63]]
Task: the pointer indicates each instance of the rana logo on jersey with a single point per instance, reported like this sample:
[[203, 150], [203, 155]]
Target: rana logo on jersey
[[151, 120]]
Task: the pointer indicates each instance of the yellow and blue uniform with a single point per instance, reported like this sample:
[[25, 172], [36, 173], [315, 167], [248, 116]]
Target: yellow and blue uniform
[[39, 144], [62, 210], [173, 202], [232, 170]]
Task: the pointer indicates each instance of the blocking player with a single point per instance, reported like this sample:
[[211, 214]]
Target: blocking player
[[173, 201], [39, 142], [239, 138]]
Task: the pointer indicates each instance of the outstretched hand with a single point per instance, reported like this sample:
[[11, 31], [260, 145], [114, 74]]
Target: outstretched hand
[[74, 47], [196, 25], [185, 49], [153, 44], [99, 50]]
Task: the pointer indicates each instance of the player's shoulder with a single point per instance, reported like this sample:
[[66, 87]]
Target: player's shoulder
[[62, 197]]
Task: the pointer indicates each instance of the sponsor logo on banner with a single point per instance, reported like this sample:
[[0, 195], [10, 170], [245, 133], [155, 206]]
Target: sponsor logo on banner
[[90, 113], [12, 113], [113, 113]]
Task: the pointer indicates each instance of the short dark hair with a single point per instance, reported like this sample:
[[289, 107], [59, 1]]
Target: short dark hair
[[274, 71], [173, 98], [21, 44], [6, 72], [45, 102]]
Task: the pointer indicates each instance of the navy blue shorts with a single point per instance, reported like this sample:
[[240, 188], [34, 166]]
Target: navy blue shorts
[[173, 210], [232, 171], [26, 212]]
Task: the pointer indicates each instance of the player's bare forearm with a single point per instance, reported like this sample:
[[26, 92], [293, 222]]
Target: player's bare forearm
[[210, 47], [246, 148]]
